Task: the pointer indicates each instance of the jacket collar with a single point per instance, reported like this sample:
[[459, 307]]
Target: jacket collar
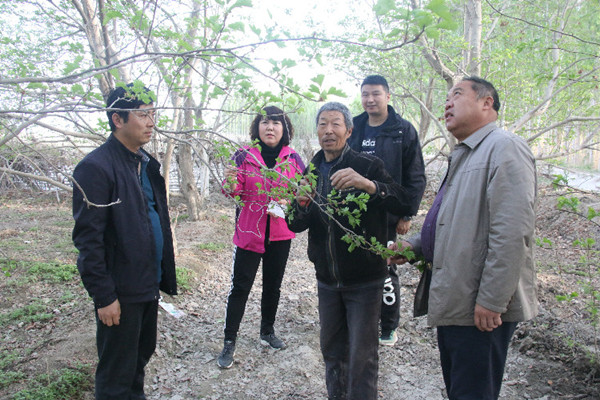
[[320, 156], [128, 154], [285, 152], [479, 135]]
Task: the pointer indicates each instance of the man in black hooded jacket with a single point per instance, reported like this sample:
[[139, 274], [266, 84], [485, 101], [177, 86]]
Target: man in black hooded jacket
[[381, 132]]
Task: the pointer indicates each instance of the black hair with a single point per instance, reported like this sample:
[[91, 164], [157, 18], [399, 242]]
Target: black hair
[[121, 99], [273, 113], [376, 80], [484, 88]]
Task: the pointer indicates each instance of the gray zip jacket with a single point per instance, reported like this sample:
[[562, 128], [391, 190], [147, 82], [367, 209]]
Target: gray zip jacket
[[484, 235]]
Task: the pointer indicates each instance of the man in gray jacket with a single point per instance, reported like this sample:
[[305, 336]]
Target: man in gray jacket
[[478, 239]]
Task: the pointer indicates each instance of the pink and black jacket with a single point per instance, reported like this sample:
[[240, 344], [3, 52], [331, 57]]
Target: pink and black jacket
[[254, 191]]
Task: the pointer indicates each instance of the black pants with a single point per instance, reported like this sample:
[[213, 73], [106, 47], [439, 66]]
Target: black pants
[[390, 306], [124, 350], [245, 266], [349, 339], [473, 361]]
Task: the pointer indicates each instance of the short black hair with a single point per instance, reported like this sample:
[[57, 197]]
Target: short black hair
[[484, 88], [376, 80], [127, 97], [273, 113]]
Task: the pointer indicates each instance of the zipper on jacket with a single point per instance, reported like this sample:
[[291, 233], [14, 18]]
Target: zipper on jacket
[[145, 210], [334, 268], [334, 264]]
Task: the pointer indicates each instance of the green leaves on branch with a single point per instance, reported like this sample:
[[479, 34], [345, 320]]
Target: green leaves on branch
[[72, 66], [138, 90], [382, 7], [317, 92], [571, 203], [110, 15], [589, 293], [559, 180], [349, 206], [435, 16]]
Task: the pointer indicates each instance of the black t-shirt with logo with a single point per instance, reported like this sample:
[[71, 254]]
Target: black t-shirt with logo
[[368, 143]]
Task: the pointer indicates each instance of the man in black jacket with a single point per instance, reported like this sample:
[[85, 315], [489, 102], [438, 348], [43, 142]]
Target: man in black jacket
[[123, 234], [381, 132], [350, 283]]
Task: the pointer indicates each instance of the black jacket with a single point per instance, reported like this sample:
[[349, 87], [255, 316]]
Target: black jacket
[[334, 264], [399, 148], [116, 245]]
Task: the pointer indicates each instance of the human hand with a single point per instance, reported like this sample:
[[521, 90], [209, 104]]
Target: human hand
[[486, 320], [399, 259], [403, 226], [275, 210], [231, 173], [111, 314], [304, 193], [347, 178]]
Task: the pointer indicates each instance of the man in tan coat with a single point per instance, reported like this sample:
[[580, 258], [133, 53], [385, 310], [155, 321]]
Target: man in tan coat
[[478, 239]]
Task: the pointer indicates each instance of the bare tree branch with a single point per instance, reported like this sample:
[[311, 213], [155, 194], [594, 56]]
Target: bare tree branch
[[561, 123], [41, 178], [561, 32], [549, 96]]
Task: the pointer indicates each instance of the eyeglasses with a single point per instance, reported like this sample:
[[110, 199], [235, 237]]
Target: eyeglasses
[[145, 114]]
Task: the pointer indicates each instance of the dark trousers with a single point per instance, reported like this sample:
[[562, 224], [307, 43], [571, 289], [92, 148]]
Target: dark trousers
[[124, 350], [473, 361], [349, 339], [390, 306], [245, 266]]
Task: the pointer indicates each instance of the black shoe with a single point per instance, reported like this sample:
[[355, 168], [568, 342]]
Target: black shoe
[[388, 338], [225, 359], [273, 341]]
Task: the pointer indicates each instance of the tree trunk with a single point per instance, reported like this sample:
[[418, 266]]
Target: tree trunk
[[92, 14], [188, 181], [472, 25], [204, 176], [425, 118], [167, 166], [186, 167]]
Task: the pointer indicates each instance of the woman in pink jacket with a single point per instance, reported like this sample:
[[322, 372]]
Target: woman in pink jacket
[[260, 230]]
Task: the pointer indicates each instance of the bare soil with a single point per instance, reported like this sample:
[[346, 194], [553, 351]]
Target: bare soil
[[551, 357]]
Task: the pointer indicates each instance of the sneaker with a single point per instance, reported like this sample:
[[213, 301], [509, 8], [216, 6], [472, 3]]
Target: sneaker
[[388, 338], [225, 359], [273, 341]]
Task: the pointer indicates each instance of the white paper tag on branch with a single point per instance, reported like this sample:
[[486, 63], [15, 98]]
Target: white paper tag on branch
[[275, 209], [171, 309]]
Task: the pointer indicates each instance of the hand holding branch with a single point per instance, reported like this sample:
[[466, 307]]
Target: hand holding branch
[[348, 178], [399, 259], [305, 193]]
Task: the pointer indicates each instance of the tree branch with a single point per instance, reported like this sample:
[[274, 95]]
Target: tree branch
[[561, 123], [540, 26], [37, 178]]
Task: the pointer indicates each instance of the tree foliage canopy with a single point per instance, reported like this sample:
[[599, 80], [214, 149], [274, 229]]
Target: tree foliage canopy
[[214, 63]]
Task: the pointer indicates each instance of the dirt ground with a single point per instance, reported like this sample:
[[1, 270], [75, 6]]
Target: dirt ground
[[548, 358]]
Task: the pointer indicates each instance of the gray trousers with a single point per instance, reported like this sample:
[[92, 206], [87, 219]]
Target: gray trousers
[[349, 319]]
